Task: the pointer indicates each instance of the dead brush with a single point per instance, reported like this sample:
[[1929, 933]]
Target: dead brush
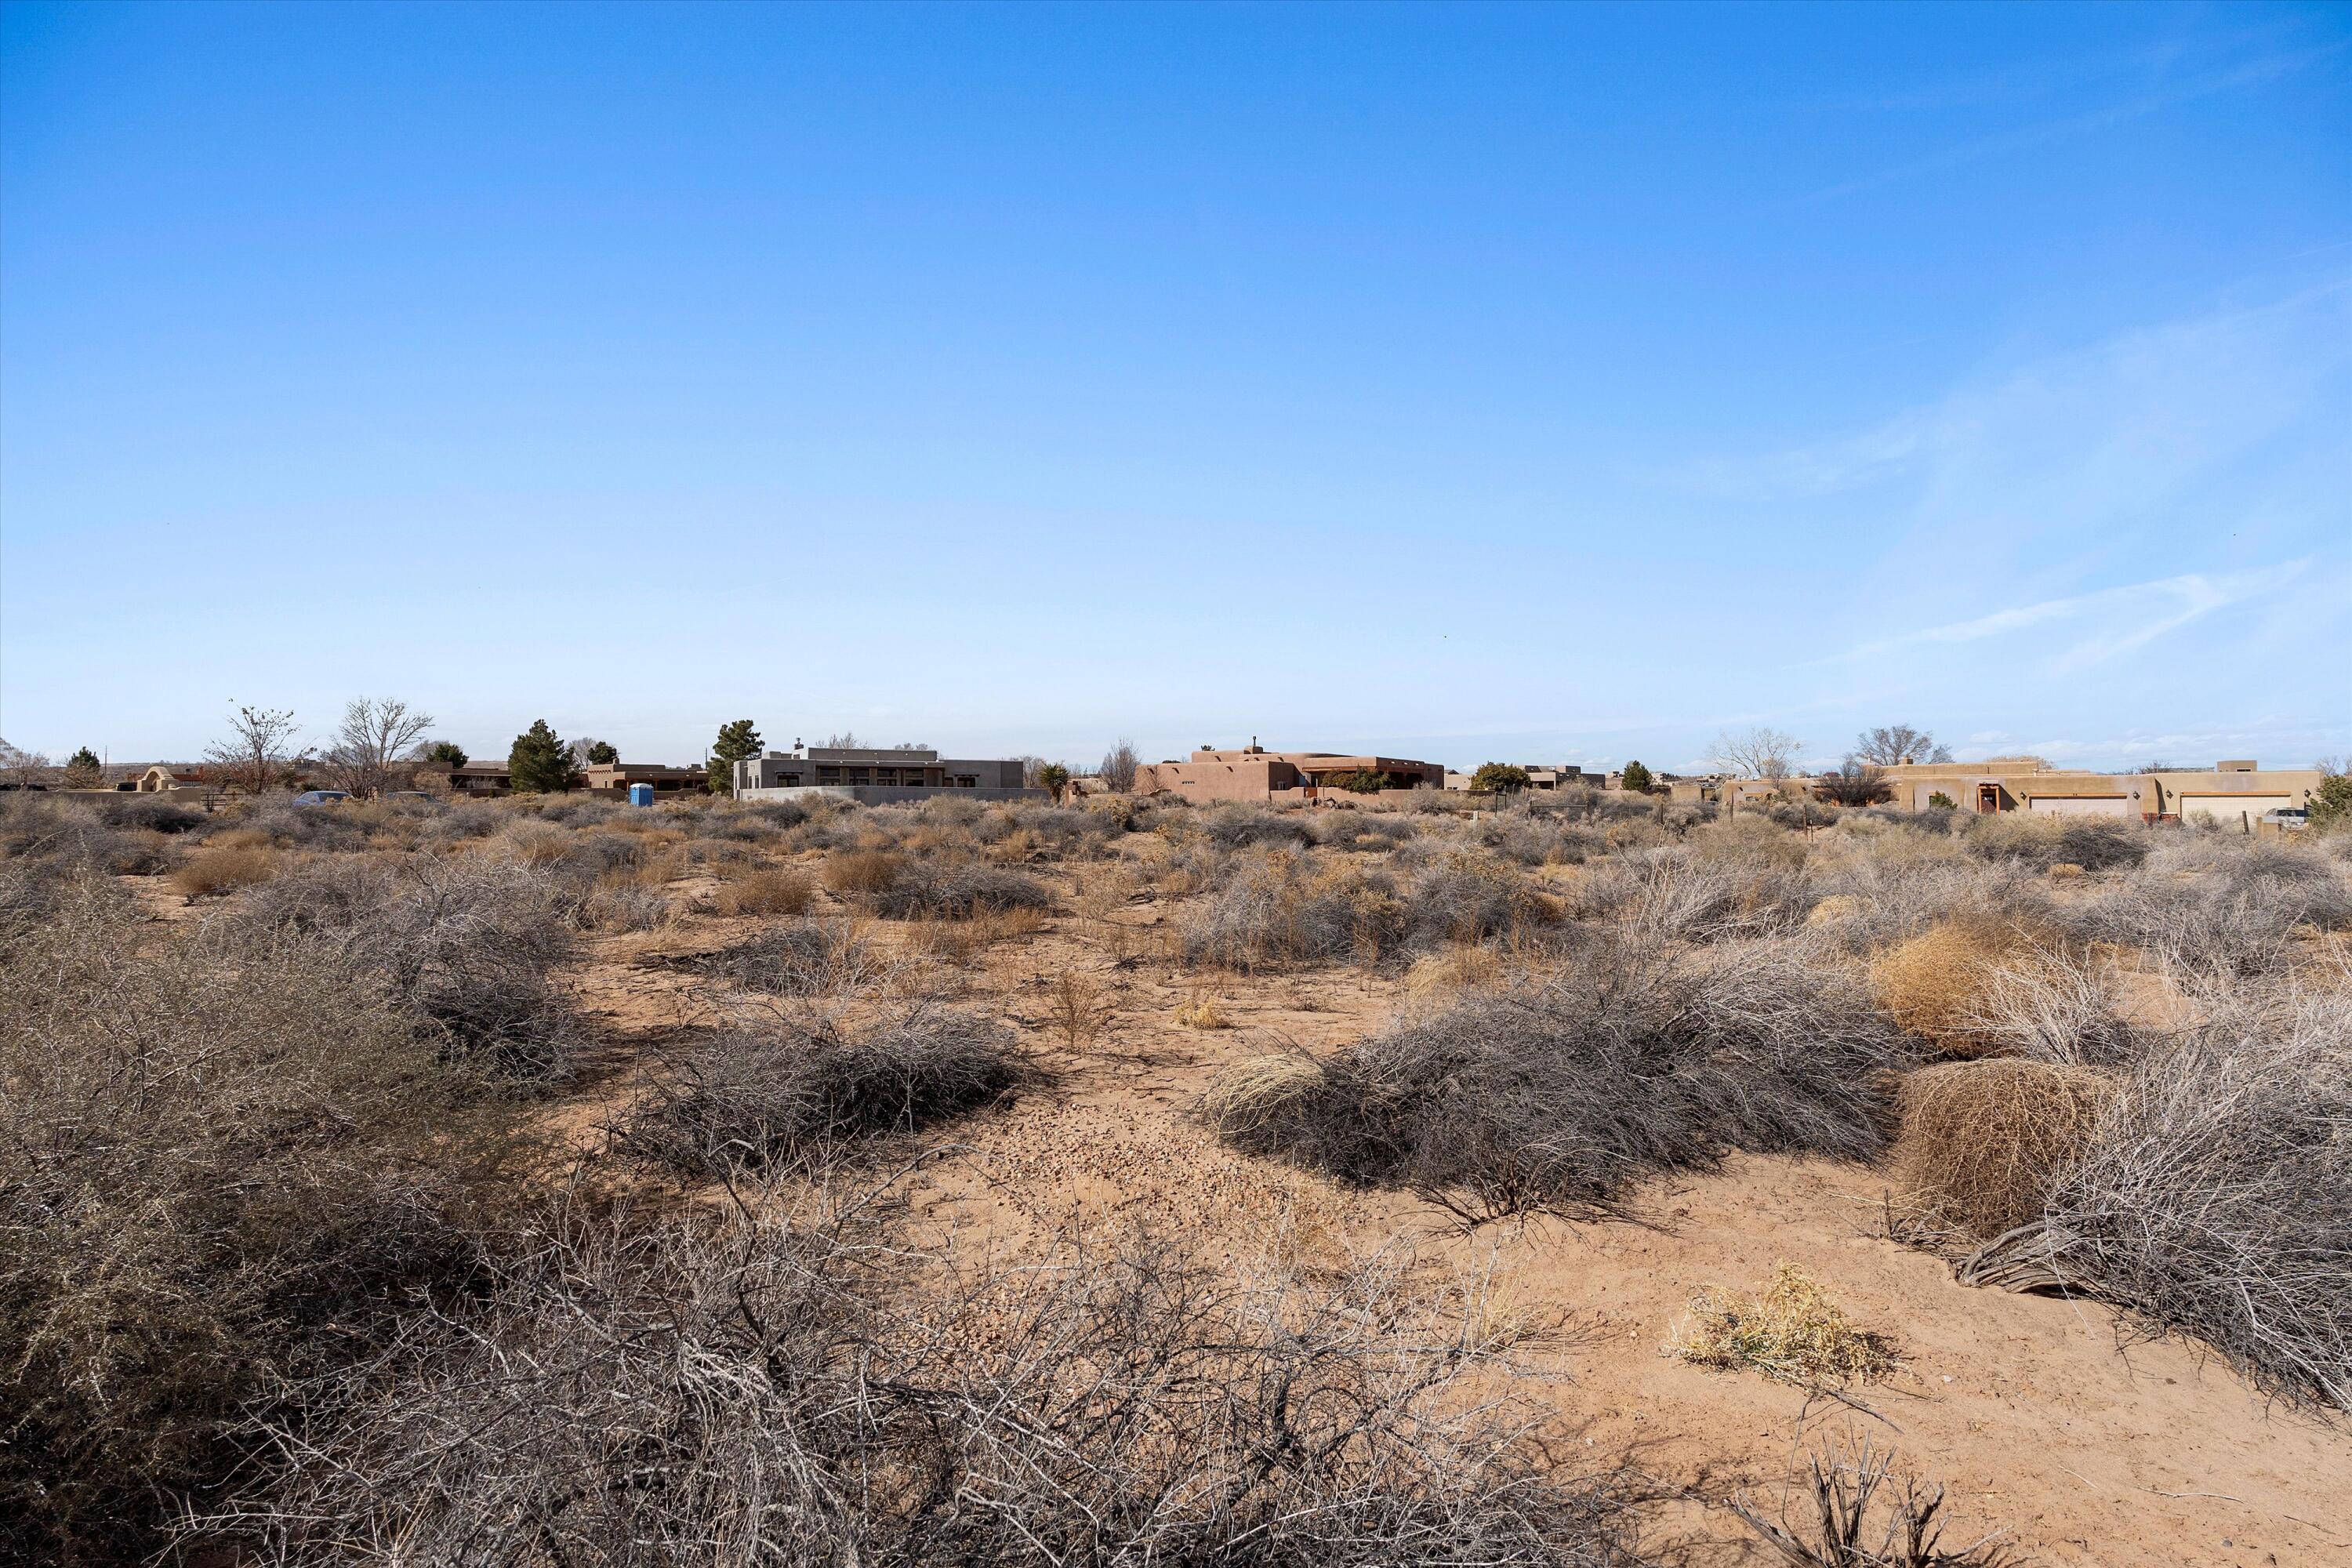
[[215, 871], [1837, 1532], [1790, 1331], [754, 1098], [1980, 1145], [863, 871], [1077, 1009], [725, 1387], [765, 890]]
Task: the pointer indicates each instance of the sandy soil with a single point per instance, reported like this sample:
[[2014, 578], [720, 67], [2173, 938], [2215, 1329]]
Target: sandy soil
[[2034, 1413]]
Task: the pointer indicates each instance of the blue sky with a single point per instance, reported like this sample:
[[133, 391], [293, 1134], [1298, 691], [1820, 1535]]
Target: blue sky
[[1540, 383]]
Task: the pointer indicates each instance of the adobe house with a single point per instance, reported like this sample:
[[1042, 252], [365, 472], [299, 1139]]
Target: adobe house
[[875, 776], [1253, 775], [1541, 776], [614, 778], [164, 777], [2233, 794]]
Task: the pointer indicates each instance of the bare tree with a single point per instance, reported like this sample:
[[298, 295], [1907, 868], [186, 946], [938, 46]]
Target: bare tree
[[22, 768], [371, 740], [2334, 767], [1119, 765], [847, 741], [1761, 752], [1890, 745], [1856, 783], [254, 757]]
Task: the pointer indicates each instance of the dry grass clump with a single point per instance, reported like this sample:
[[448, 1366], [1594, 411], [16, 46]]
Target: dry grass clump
[[1936, 984], [768, 890], [723, 1390], [1562, 1095], [1835, 1530], [1261, 1094], [1980, 1145], [1077, 1009], [225, 1158], [742, 1098], [868, 871], [1200, 1011], [622, 903], [1790, 1331], [1456, 968], [215, 870], [2215, 1198]]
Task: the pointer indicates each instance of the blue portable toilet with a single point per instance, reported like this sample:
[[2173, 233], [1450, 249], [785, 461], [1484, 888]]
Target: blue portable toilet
[[641, 794]]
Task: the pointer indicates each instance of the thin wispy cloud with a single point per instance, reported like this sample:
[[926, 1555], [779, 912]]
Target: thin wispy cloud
[[2240, 76], [2126, 617]]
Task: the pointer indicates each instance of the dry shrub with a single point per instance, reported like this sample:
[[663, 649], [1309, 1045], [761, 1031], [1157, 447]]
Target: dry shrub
[[1790, 1331], [866, 871], [1980, 1145], [225, 1159], [2215, 1199], [621, 903], [769, 890], [2065, 871], [1836, 908], [801, 958], [959, 891], [215, 871], [1935, 984], [2054, 1007], [1835, 1530], [469, 948], [1077, 1009], [742, 1099], [1631, 1061], [727, 1391]]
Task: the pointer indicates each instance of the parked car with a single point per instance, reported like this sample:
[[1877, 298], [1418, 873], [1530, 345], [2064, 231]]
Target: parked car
[[322, 797]]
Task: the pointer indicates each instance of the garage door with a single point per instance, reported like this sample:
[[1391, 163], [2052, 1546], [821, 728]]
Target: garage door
[[2081, 804], [2233, 811]]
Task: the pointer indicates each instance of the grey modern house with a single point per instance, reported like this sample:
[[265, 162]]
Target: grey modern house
[[876, 775]]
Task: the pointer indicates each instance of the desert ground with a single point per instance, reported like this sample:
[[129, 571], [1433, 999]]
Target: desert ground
[[1505, 1114]]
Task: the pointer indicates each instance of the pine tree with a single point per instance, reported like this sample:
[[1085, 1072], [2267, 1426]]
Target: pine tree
[[603, 753], [540, 764], [83, 770], [737, 742], [1636, 778]]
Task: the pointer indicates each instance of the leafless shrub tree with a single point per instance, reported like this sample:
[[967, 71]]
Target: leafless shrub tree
[[370, 744], [1892, 745], [1760, 753], [256, 755], [1118, 766]]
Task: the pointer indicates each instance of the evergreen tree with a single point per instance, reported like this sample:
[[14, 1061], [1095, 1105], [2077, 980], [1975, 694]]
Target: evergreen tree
[[603, 753], [1054, 778], [540, 764], [1637, 778], [83, 770], [1498, 778], [447, 751], [737, 742]]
